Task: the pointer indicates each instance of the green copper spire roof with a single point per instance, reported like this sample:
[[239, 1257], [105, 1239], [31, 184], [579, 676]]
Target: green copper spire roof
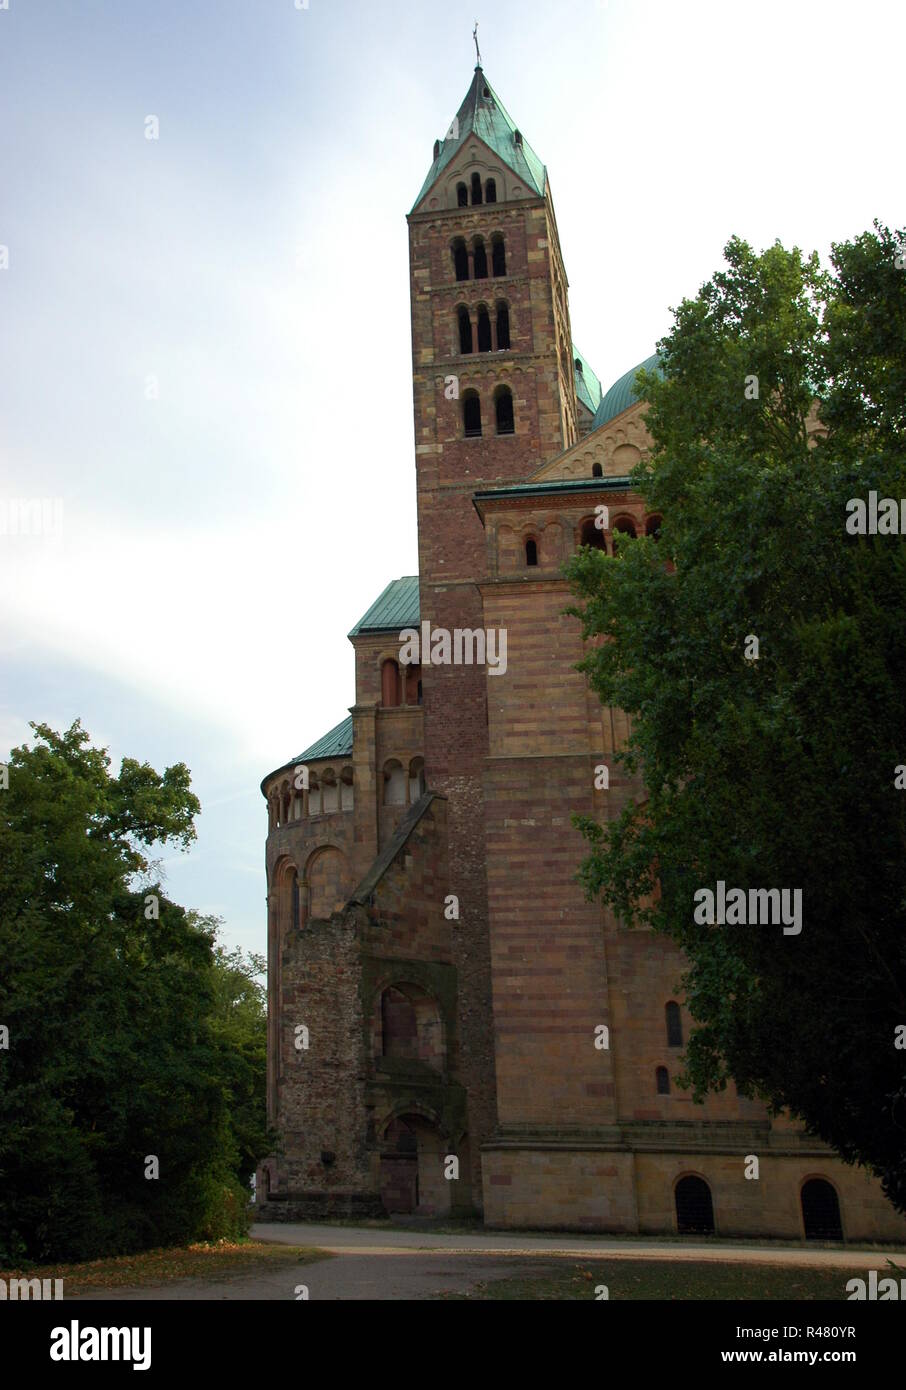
[[622, 394], [482, 113], [588, 387]]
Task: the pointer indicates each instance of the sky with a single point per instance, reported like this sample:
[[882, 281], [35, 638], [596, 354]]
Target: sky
[[205, 351]]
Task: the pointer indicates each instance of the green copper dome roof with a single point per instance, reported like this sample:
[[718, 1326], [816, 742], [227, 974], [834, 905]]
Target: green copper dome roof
[[336, 743], [482, 113], [622, 393]]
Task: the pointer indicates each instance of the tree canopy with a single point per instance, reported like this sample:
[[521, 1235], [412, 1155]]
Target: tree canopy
[[783, 398], [130, 1034]]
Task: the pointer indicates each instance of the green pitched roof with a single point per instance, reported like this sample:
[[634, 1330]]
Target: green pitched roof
[[397, 607], [622, 483], [335, 744], [622, 394], [588, 387], [482, 113]]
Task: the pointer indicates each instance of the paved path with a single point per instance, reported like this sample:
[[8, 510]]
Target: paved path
[[367, 1241], [351, 1276], [420, 1264]]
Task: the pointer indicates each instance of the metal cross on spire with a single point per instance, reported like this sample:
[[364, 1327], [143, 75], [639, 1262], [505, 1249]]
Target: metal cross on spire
[[477, 49]]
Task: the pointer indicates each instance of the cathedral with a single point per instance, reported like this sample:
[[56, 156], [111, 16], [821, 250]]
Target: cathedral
[[452, 1027]]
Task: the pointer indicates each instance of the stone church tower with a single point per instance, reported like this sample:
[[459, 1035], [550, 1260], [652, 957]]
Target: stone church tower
[[493, 392], [452, 1027]]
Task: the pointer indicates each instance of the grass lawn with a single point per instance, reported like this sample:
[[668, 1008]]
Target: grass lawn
[[217, 1260], [661, 1279]]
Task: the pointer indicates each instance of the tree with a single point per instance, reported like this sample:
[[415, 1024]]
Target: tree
[[119, 1048], [239, 1022], [775, 772]]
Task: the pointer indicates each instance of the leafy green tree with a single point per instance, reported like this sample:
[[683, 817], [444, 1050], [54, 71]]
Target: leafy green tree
[[777, 771], [239, 1023], [119, 1045]]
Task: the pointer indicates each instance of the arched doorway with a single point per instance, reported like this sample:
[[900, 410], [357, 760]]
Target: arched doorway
[[820, 1210], [399, 1168], [412, 1167], [694, 1209]]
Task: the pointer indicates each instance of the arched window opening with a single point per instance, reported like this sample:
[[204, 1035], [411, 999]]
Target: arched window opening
[[503, 405], [314, 795], [694, 1210], [476, 189], [484, 329], [820, 1210], [480, 257], [347, 797], [399, 1029], [329, 882], [462, 196], [291, 899], [662, 1077], [592, 535], [596, 470], [498, 256], [413, 681], [394, 783], [653, 527], [531, 551], [419, 692], [490, 191], [330, 792], [465, 330], [471, 415], [390, 684], [417, 786], [674, 1025], [625, 526], [411, 1026], [285, 800], [503, 327], [460, 259]]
